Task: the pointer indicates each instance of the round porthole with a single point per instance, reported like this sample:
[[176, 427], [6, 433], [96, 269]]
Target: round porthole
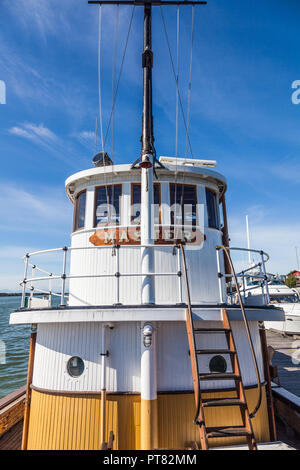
[[218, 364], [75, 366]]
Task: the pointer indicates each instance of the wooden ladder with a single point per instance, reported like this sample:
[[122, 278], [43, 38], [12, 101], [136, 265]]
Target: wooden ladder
[[239, 400]]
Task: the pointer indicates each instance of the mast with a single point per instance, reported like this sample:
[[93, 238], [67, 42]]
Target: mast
[[147, 64], [147, 165]]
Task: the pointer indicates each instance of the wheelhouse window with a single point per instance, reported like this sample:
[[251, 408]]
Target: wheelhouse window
[[212, 208], [136, 203], [107, 205], [79, 210], [183, 202]]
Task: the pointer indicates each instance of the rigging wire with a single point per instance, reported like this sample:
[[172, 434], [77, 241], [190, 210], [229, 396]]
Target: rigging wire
[[100, 102], [177, 81], [114, 80], [119, 77], [99, 75], [112, 98], [174, 74], [176, 130], [190, 81]]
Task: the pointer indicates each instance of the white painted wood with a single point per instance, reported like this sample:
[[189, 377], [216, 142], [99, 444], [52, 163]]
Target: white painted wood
[[116, 314], [56, 343], [89, 209]]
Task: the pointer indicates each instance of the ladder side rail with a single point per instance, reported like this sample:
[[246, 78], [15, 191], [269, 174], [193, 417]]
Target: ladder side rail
[[199, 416]]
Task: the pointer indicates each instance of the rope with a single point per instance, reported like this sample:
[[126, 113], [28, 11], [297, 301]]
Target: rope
[[190, 80], [174, 73]]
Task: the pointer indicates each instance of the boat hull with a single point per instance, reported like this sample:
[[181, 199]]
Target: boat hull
[[72, 421]]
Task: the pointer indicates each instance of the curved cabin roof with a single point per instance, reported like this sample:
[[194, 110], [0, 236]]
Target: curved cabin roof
[[99, 174]]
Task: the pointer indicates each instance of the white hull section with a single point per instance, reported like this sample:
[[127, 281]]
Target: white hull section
[[56, 343]]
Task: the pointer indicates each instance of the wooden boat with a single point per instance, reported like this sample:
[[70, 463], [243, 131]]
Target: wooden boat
[[144, 345]]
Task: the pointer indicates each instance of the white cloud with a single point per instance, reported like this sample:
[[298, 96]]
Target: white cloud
[[37, 133], [44, 210]]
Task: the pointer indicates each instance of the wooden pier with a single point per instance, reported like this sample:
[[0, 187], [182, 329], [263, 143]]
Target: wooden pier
[[286, 359]]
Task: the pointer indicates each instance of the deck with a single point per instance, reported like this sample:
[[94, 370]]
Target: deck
[[12, 439], [287, 360]]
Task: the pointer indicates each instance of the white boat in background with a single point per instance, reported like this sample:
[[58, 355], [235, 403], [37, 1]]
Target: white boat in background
[[279, 295]]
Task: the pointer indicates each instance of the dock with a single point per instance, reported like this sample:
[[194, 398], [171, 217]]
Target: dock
[[287, 360]]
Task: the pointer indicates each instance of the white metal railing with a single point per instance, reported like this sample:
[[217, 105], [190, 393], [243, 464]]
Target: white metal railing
[[28, 283], [246, 274]]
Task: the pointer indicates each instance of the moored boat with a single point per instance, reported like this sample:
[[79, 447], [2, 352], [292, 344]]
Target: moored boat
[[144, 349]]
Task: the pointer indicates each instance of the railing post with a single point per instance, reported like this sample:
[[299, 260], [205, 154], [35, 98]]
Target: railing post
[[265, 276], [179, 274], [63, 276], [244, 287], [31, 282], [50, 290], [220, 275], [24, 281]]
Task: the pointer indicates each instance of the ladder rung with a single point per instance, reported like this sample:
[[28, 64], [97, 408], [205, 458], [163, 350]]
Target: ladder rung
[[212, 330], [211, 402], [215, 351], [224, 431], [220, 376]]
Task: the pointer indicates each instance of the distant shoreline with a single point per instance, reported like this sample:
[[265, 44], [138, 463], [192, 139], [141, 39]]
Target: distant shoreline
[[8, 294]]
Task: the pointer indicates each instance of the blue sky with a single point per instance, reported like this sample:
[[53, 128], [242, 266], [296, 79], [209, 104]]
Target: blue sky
[[246, 56]]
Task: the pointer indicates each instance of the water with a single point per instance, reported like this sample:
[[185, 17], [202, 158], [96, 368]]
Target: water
[[16, 341]]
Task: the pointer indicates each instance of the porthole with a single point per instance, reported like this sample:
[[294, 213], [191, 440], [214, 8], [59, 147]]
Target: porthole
[[75, 366], [218, 364]]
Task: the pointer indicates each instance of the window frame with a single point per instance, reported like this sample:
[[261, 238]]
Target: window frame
[[131, 202], [216, 208], [95, 203], [195, 187], [76, 211]]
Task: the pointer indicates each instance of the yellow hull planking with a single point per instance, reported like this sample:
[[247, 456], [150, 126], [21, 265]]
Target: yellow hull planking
[[59, 421]]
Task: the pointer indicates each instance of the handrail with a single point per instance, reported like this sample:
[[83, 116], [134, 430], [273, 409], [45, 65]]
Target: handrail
[[116, 274], [226, 250]]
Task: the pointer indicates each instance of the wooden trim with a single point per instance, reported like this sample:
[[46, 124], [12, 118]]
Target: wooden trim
[[76, 212], [217, 207], [163, 392], [225, 237], [28, 390], [8, 399], [270, 403], [95, 201]]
